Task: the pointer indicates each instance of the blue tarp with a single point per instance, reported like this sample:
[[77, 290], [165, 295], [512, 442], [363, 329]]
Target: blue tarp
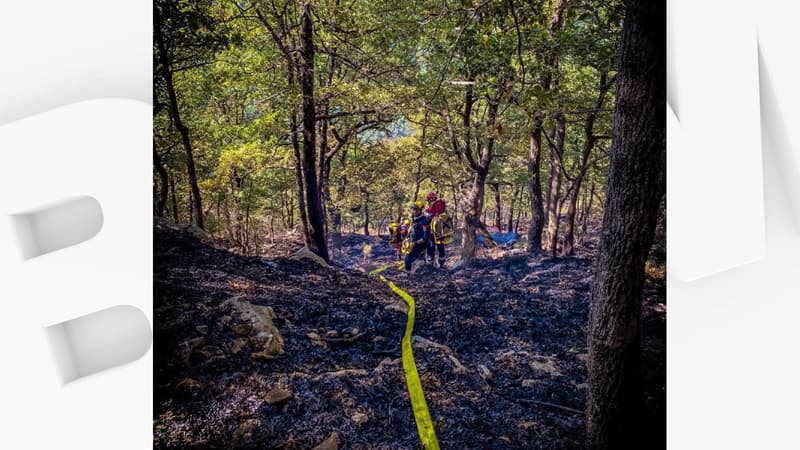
[[502, 238]]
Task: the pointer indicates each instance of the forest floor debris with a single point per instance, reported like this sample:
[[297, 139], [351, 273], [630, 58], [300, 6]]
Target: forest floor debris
[[502, 360]]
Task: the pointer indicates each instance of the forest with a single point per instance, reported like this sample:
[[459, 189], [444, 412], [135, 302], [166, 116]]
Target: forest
[[288, 136]]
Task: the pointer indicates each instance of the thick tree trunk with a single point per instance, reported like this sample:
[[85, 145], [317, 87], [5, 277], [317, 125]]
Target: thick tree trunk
[[473, 204], [472, 207], [163, 187], [535, 190], [636, 185], [166, 74], [316, 220]]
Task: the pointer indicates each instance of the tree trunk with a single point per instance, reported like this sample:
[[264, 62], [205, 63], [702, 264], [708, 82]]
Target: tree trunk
[[189, 205], [472, 207], [588, 145], [535, 190], [556, 169], [542, 207], [636, 185], [301, 190], [316, 225], [324, 166], [498, 212], [161, 203], [174, 200], [511, 209], [366, 213], [336, 211], [588, 212], [166, 74]]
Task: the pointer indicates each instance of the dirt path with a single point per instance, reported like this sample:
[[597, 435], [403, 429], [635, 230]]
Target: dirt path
[[500, 348]]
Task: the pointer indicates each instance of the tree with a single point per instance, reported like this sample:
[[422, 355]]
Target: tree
[[550, 59], [636, 186], [590, 139], [316, 219], [176, 28]]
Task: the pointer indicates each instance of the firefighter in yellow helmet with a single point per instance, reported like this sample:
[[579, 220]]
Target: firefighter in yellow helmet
[[420, 232]]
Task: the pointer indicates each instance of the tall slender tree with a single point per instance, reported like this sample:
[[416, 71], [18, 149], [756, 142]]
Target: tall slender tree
[[160, 26], [316, 218]]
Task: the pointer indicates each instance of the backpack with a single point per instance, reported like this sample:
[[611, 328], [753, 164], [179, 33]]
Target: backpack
[[405, 248], [442, 227]]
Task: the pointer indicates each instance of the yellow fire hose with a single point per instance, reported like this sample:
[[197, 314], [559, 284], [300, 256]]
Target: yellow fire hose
[[427, 434]]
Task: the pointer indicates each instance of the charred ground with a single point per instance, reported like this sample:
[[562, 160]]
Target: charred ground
[[500, 348]]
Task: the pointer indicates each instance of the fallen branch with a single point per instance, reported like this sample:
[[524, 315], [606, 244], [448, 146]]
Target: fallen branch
[[451, 355], [341, 373], [552, 405], [346, 340]]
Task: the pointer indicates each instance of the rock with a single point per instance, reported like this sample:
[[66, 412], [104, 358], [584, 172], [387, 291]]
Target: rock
[[189, 347], [316, 340], [202, 329], [243, 329], [224, 321], [161, 224], [305, 253], [359, 418], [198, 445], [188, 388], [195, 343], [263, 335], [546, 364], [263, 356], [276, 396], [417, 265], [530, 383], [246, 432], [331, 443], [484, 372], [351, 331], [210, 353], [237, 345]]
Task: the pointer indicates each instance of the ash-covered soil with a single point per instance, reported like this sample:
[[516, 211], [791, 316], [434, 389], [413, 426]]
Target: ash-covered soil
[[500, 348]]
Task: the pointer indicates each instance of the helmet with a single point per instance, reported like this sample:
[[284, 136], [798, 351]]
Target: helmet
[[432, 196], [407, 222], [419, 204]]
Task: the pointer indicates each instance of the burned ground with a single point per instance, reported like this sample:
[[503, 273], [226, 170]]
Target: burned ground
[[500, 348]]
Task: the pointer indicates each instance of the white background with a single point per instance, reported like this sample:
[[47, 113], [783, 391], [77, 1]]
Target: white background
[[732, 337], [54, 53]]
